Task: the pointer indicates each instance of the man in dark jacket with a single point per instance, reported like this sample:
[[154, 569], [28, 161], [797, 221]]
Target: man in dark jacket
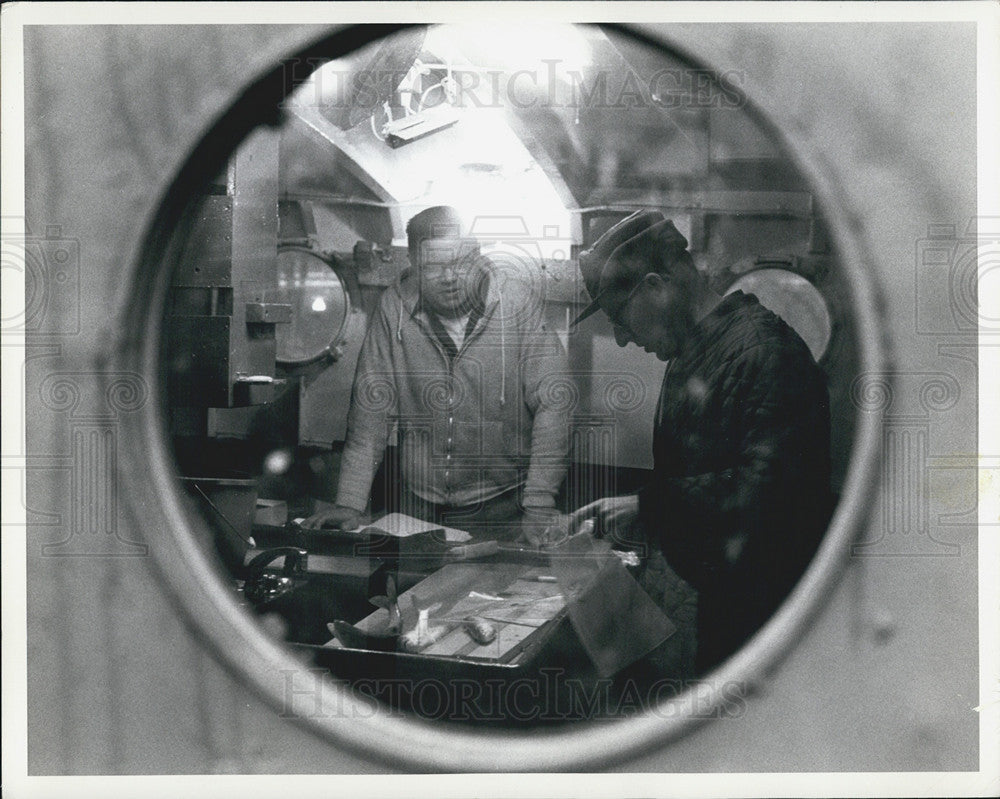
[[739, 493]]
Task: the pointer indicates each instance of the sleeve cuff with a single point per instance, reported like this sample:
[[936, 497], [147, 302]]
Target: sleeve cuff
[[346, 500], [534, 499]]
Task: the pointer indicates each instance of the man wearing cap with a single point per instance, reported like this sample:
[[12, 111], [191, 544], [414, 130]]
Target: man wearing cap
[[458, 360], [739, 493]]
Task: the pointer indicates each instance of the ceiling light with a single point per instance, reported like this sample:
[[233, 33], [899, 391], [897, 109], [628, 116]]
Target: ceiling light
[[417, 126]]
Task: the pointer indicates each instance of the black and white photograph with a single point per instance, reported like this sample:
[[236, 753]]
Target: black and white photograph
[[508, 399]]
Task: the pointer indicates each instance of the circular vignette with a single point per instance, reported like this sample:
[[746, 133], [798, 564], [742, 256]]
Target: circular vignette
[[188, 572]]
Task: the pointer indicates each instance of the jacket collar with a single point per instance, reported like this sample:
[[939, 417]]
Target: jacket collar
[[709, 327], [721, 313]]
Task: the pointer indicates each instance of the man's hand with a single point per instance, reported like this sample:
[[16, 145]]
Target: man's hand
[[542, 527], [614, 517], [337, 518]]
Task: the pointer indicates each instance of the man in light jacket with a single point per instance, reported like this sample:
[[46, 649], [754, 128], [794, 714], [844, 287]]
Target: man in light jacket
[[458, 360]]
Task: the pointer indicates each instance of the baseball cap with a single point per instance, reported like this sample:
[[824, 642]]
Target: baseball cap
[[620, 258]]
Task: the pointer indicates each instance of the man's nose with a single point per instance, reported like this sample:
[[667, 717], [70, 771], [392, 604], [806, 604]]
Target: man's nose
[[622, 337]]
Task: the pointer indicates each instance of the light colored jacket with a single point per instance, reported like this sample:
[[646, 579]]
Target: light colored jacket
[[468, 430]]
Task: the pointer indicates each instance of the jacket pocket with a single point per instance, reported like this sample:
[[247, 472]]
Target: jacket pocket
[[498, 461]]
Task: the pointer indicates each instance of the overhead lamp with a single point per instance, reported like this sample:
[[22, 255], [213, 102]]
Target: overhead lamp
[[418, 125]]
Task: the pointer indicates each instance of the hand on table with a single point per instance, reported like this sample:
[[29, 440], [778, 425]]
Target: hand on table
[[614, 517], [542, 527], [336, 518]]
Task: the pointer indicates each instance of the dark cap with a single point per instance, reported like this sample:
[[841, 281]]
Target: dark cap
[[623, 256]]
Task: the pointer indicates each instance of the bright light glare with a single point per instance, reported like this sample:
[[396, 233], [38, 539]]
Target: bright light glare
[[516, 201], [319, 305], [278, 461]]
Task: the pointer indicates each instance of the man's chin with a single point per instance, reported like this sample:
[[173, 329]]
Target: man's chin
[[453, 309], [453, 306]]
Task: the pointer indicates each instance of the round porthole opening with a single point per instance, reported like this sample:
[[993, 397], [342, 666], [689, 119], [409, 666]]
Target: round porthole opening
[[244, 312]]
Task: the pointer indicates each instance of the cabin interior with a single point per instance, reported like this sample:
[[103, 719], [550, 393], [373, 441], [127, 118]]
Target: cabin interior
[[542, 146]]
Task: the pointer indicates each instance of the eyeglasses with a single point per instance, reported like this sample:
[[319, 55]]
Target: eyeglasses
[[457, 268], [436, 256]]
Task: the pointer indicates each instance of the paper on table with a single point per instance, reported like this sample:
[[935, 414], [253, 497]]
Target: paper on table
[[399, 525], [616, 620], [356, 529], [402, 526]]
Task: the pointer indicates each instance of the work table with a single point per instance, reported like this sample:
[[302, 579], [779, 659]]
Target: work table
[[539, 604]]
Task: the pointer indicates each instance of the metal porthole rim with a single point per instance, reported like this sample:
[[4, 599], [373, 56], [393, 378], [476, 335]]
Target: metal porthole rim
[[154, 500]]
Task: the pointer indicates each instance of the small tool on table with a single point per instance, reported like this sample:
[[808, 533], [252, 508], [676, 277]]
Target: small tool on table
[[390, 603], [483, 549]]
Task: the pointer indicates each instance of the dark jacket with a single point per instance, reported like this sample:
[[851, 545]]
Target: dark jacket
[[740, 490]]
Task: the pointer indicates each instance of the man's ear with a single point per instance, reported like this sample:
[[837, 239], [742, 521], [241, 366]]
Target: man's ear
[[656, 281]]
